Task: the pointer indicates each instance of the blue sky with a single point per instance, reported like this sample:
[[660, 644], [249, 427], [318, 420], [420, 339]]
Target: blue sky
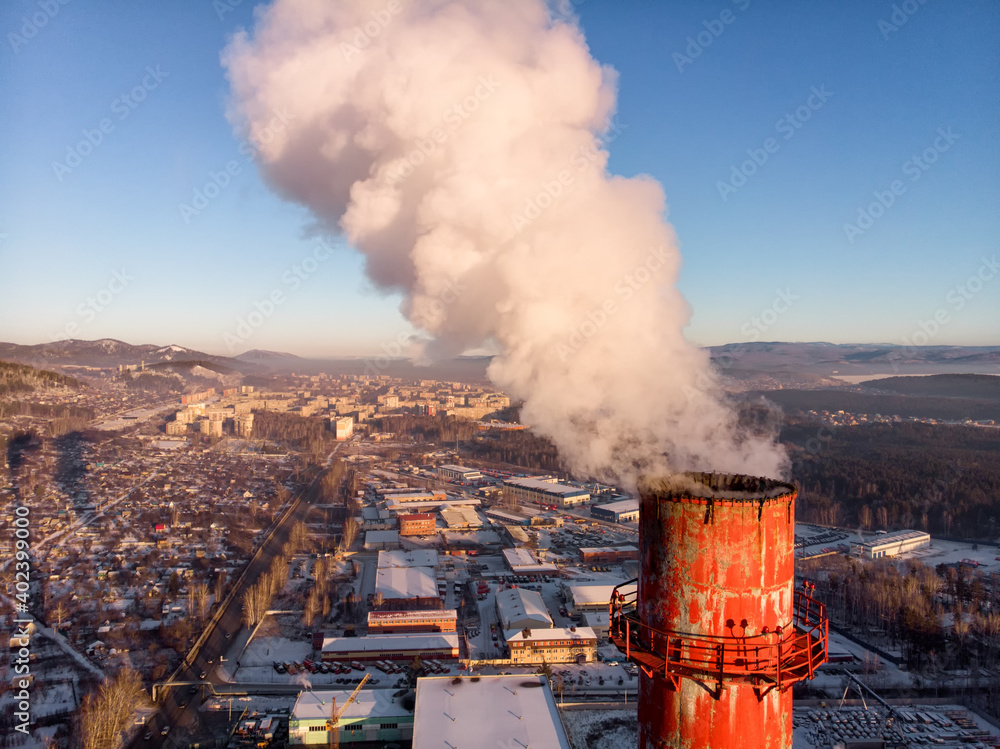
[[833, 100]]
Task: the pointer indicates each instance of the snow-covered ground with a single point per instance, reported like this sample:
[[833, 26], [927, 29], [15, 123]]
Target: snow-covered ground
[[952, 552], [601, 729]]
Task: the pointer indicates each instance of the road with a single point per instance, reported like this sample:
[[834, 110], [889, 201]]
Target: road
[[178, 706]]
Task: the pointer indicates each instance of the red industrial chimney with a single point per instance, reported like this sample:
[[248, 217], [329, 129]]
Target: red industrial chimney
[[715, 625]]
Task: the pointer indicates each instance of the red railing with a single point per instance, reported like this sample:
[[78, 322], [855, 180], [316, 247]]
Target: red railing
[[778, 658]]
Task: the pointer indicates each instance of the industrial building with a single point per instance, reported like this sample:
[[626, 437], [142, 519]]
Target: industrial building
[[373, 715], [518, 608], [416, 524], [508, 518], [622, 511], [408, 558], [583, 598], [524, 562], [487, 711], [397, 496], [398, 647], [892, 544], [429, 620], [458, 473], [407, 588], [608, 554], [599, 621], [377, 540], [555, 645], [461, 517], [544, 491]]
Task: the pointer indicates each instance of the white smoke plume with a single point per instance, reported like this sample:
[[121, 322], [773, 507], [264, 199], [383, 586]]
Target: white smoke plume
[[458, 145]]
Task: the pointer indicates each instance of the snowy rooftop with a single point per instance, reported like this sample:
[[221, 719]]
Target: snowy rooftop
[[547, 487], [486, 711], [370, 703], [517, 604], [622, 505], [606, 549], [522, 560], [406, 582], [461, 516], [390, 643], [591, 594], [413, 558], [381, 537], [434, 505], [555, 633]]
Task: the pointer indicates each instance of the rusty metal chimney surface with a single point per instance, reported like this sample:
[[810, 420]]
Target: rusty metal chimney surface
[[715, 624]]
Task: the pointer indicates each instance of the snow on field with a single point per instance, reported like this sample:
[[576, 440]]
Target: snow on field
[[601, 729], [257, 660], [952, 552]]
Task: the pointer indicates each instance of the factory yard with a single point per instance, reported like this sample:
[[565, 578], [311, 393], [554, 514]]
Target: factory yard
[[944, 726]]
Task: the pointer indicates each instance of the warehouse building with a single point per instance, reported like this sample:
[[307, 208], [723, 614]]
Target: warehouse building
[[487, 711], [396, 647], [429, 620], [374, 715], [408, 558], [584, 598], [461, 517], [406, 588], [607, 554], [507, 518], [518, 608], [458, 473], [622, 511], [892, 544], [378, 540], [523, 562], [544, 491]]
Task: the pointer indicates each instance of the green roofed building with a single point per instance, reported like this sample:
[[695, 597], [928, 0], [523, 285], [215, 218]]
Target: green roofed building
[[374, 715]]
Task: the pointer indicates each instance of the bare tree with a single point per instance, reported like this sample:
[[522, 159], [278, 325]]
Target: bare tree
[[298, 537], [104, 714], [865, 517], [257, 600], [349, 533]]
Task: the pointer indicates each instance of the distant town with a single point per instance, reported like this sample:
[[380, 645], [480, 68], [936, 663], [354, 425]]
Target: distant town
[[271, 564]]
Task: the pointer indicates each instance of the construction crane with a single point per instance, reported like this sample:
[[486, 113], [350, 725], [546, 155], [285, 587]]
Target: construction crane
[[332, 725]]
